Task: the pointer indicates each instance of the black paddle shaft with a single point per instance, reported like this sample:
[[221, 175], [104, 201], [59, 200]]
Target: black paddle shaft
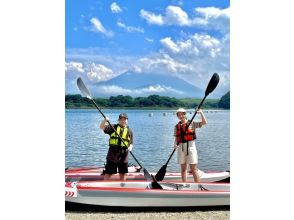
[[115, 131]]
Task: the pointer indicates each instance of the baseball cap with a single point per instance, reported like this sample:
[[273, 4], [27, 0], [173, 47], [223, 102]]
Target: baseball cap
[[123, 115]]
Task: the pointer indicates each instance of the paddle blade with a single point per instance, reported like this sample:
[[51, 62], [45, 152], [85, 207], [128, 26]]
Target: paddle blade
[[212, 84], [83, 88], [161, 173], [150, 177], [155, 184], [147, 175]]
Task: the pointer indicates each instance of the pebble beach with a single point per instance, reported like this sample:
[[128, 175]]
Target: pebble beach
[[80, 212]]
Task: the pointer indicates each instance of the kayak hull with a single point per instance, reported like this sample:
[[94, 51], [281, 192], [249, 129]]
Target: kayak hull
[[138, 194]]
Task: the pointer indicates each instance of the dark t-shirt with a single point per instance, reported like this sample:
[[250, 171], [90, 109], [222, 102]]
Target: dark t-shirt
[[118, 154]]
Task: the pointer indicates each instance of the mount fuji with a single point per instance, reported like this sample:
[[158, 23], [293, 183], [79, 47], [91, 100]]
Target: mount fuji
[[143, 84]]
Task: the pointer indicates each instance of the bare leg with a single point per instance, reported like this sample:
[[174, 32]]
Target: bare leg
[[194, 170], [122, 176], [184, 172], [107, 176]]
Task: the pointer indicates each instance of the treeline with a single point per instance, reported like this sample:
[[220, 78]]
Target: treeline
[[152, 101], [224, 102]]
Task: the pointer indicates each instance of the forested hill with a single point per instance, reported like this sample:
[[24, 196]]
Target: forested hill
[[224, 102], [152, 101]]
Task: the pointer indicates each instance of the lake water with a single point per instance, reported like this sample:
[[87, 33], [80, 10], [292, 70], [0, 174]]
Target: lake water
[[87, 145]]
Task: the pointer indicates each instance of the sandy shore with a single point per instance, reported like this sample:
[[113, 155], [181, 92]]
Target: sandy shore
[[91, 212]]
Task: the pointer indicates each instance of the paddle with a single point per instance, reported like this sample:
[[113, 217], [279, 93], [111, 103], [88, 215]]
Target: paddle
[[210, 87], [86, 93]]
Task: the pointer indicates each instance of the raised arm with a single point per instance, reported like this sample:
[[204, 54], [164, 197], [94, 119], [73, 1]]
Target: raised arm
[[203, 118], [103, 123]]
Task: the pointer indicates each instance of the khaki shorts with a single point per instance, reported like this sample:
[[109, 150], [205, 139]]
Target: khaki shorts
[[192, 157]]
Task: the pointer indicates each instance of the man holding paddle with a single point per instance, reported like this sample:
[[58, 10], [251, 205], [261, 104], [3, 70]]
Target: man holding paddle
[[185, 136], [84, 90], [117, 156]]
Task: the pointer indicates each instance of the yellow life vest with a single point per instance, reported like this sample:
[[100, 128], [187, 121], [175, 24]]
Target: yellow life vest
[[115, 141]]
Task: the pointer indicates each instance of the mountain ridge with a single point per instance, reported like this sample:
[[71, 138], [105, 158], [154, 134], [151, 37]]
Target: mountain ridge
[[143, 84]]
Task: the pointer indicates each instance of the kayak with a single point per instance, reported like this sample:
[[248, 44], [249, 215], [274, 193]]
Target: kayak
[[96, 173], [141, 194], [93, 169]]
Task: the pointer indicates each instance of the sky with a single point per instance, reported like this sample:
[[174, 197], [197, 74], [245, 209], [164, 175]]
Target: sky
[[187, 39]]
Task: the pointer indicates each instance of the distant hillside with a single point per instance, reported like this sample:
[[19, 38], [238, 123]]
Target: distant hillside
[[153, 101], [225, 101]]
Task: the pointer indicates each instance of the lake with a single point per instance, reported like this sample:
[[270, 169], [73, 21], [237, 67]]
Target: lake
[[87, 145]]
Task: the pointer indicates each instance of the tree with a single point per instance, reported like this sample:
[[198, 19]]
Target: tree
[[120, 101], [224, 102]]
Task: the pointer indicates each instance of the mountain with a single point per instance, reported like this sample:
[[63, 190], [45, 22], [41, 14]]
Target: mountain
[[142, 84]]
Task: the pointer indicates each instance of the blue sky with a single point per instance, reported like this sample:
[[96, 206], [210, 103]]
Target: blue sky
[[187, 39]]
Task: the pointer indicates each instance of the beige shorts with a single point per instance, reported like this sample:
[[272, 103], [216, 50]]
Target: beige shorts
[[192, 157]]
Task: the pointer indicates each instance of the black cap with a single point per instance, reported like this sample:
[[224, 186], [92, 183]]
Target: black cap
[[123, 115]]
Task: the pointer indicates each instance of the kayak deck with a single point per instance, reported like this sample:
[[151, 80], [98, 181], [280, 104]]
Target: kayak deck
[[96, 173]]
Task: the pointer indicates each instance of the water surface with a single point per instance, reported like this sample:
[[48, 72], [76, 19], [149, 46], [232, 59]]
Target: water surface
[[87, 145]]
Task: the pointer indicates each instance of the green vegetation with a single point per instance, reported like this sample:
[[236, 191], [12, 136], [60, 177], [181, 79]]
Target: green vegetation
[[150, 102], [192, 103], [224, 102]]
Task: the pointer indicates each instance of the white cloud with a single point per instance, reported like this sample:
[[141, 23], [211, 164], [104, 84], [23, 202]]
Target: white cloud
[[73, 70], [209, 17], [159, 89], [130, 28], [151, 18], [94, 72], [160, 63], [149, 39], [179, 47], [153, 89], [118, 64], [98, 27], [212, 12], [74, 66], [195, 45], [115, 8], [169, 44], [99, 72], [175, 15], [176, 2]]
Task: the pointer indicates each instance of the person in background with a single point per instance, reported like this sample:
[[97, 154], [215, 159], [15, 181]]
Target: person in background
[[118, 152], [185, 143]]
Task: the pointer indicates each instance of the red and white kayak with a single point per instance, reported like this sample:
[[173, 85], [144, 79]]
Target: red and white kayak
[[141, 194], [96, 173], [93, 169]]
